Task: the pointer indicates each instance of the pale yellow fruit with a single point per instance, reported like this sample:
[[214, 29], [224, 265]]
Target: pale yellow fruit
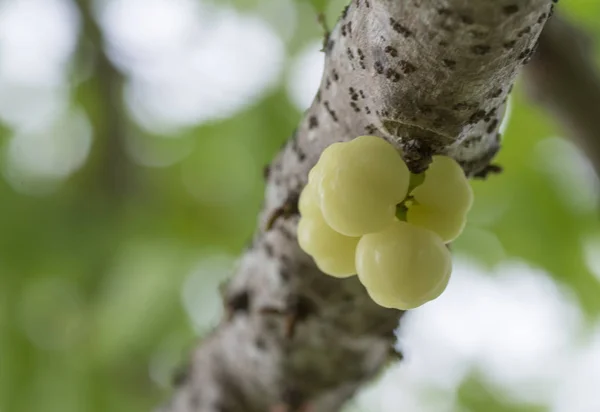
[[359, 185], [333, 252], [403, 266], [308, 204], [446, 225], [443, 200]]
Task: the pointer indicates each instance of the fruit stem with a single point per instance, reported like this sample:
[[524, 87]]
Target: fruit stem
[[401, 211], [416, 179]]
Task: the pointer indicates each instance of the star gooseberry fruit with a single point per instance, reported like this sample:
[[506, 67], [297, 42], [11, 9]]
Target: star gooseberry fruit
[[403, 266], [333, 252], [359, 183], [442, 201]]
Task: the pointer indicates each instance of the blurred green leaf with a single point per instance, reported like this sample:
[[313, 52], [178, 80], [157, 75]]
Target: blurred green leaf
[[475, 396]]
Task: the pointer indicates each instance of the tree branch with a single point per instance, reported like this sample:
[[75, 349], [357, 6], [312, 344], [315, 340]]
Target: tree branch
[[112, 169], [563, 78], [430, 77]]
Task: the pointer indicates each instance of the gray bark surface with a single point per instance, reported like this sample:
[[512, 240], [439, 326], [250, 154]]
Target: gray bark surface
[[429, 76]]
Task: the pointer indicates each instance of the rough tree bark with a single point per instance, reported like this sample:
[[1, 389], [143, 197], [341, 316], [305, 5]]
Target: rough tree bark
[[429, 76]]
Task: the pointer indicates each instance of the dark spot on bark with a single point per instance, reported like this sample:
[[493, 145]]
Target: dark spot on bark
[[285, 232], [439, 121], [496, 93], [488, 170], [181, 375], [362, 65], [471, 141], [367, 3], [391, 51], [349, 53], [524, 54], [510, 9], [302, 307], [426, 109], [294, 140], [284, 274], [260, 343], [347, 297], [239, 302], [444, 11], [509, 44], [289, 207], [524, 31], [293, 399], [476, 117], [269, 249], [397, 354], [407, 67], [313, 122], [466, 19], [367, 110], [492, 127], [266, 171], [417, 155], [399, 28], [330, 45], [542, 18], [461, 106], [286, 261], [270, 325], [481, 49], [449, 63], [349, 27], [361, 55], [330, 111], [370, 129], [443, 43], [345, 12], [393, 75], [362, 94], [353, 94], [327, 83], [355, 107], [551, 12], [378, 67], [335, 75]]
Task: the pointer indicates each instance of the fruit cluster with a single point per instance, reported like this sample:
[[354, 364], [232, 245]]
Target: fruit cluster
[[363, 212]]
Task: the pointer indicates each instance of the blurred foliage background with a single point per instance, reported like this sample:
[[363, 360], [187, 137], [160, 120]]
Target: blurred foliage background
[[133, 137]]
